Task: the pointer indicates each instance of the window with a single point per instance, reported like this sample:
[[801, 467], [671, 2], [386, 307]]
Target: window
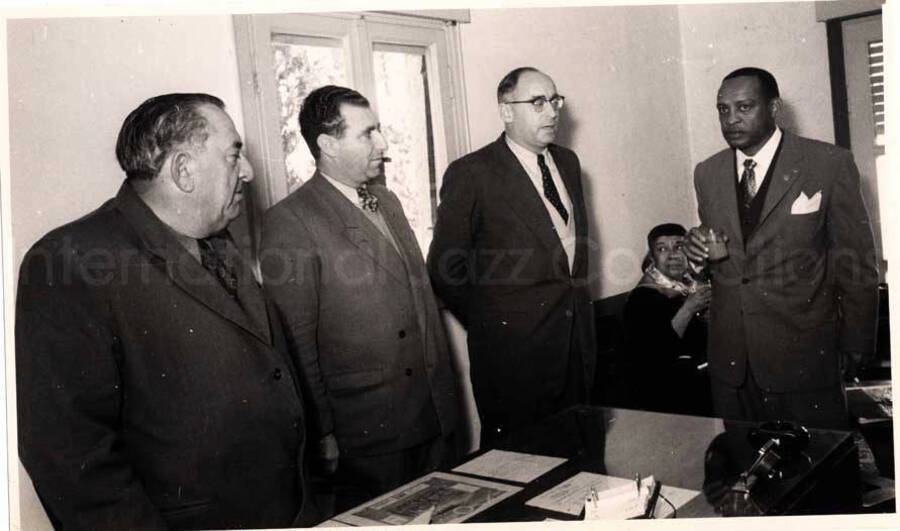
[[408, 68], [876, 87], [863, 65]]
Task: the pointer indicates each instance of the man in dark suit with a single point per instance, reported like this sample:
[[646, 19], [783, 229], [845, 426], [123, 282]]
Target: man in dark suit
[[798, 290], [342, 264], [510, 259], [155, 390]]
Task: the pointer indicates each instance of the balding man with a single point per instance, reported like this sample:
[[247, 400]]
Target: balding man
[[510, 260], [154, 387]]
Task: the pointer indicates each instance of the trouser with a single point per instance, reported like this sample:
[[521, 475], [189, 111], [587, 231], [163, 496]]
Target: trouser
[[497, 424], [824, 407]]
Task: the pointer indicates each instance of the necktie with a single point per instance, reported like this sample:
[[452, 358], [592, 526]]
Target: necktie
[[748, 182], [213, 258], [366, 200], [550, 191]]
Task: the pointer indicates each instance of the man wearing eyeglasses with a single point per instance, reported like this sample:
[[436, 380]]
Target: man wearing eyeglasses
[[509, 259]]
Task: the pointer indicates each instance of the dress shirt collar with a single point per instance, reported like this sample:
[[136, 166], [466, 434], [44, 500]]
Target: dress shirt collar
[[763, 157], [347, 191], [527, 157]]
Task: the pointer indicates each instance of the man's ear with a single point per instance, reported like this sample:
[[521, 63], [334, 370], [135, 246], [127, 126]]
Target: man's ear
[[327, 144], [775, 108], [506, 113], [182, 171]]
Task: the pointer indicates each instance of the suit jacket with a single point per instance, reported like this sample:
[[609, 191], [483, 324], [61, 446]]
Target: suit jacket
[[803, 286], [361, 319], [498, 264], [147, 397]]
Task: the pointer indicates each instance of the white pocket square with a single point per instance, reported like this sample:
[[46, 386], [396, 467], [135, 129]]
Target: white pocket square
[[807, 205]]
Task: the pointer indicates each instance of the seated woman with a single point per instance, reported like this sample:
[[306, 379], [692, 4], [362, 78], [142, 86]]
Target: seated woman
[[665, 329]]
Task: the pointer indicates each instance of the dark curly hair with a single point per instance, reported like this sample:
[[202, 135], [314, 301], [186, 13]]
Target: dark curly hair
[[150, 132]]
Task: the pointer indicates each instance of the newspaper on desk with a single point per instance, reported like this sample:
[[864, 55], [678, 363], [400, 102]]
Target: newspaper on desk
[[510, 466], [450, 498]]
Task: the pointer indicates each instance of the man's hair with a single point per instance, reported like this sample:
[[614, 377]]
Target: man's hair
[[321, 113], [666, 229], [766, 80], [510, 80], [158, 125]]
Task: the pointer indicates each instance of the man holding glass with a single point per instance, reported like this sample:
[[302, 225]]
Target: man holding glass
[[796, 294], [509, 258]]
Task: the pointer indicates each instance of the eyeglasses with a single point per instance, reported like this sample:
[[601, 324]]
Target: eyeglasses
[[537, 103]]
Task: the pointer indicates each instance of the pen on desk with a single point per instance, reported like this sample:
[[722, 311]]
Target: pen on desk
[[650, 510], [637, 483]]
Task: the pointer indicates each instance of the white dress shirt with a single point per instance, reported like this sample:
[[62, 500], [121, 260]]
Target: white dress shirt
[[375, 217], [763, 159], [565, 230]]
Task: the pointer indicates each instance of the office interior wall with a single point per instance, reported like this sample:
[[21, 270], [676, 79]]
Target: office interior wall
[[783, 38], [72, 82]]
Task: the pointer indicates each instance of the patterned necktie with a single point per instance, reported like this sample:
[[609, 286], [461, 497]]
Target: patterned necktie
[[748, 182], [366, 200], [550, 191], [213, 257]]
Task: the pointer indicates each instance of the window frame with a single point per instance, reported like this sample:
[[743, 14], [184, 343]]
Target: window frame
[[357, 33]]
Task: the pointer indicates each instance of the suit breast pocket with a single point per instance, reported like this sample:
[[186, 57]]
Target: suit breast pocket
[[802, 231]]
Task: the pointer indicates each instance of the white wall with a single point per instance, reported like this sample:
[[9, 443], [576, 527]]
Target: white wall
[[71, 84], [783, 38], [625, 116]]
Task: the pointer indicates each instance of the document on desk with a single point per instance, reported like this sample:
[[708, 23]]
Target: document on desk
[[450, 498], [569, 496], [510, 466]]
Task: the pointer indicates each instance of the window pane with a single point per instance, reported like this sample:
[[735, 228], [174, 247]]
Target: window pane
[[302, 64], [401, 90]]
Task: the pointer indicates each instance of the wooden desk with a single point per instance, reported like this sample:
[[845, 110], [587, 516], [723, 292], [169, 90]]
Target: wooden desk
[[674, 448]]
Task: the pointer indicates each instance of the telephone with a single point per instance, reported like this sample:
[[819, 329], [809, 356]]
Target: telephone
[[779, 447]]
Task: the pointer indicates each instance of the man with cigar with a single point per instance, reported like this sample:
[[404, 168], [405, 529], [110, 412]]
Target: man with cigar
[[796, 295], [342, 263], [155, 390]]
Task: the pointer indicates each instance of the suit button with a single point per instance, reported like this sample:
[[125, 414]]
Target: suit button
[[277, 374], [408, 372], [568, 313], [745, 281], [402, 334]]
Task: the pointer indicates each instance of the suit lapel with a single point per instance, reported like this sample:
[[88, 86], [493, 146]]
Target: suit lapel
[[251, 297], [724, 193], [189, 275], [783, 176], [524, 199], [409, 250], [361, 232]]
